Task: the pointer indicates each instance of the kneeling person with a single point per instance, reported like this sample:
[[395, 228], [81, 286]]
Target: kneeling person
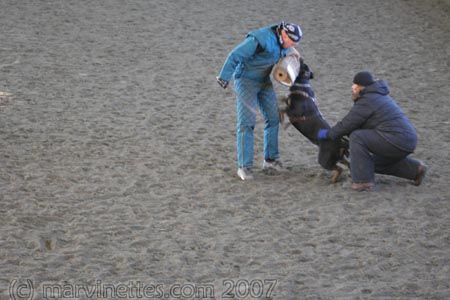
[[381, 136]]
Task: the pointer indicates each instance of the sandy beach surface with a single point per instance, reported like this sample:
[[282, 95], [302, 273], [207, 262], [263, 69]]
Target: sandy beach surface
[[117, 155]]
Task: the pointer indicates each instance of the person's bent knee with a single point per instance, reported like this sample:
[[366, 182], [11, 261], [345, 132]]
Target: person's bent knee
[[246, 123], [273, 120], [245, 128], [355, 135]]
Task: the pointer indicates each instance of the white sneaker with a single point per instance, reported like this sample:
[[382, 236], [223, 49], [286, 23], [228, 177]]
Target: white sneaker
[[272, 165], [245, 173]]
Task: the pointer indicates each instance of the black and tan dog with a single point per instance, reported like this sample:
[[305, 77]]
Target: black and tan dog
[[304, 115]]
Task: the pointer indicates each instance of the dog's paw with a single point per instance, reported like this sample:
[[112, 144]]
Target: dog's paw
[[336, 174]]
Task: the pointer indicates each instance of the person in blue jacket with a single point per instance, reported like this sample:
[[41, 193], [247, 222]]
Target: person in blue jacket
[[381, 136], [250, 64]]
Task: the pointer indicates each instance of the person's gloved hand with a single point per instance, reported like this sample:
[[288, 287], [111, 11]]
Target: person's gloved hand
[[322, 134], [222, 83]]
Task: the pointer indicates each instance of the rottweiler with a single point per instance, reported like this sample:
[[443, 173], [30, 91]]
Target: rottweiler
[[301, 108]]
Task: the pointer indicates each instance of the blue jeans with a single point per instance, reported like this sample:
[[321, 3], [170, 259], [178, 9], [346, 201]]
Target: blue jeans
[[251, 94], [370, 153]]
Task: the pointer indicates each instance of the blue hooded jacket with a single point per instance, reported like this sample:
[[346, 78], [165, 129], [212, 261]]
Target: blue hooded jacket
[[254, 57], [375, 109]]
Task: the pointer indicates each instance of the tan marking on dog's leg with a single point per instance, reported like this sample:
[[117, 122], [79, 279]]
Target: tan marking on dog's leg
[[336, 173]]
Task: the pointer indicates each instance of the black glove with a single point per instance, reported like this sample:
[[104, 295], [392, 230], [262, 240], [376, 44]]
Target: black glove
[[222, 83]]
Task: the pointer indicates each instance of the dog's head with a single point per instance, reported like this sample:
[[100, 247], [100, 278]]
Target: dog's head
[[305, 71]]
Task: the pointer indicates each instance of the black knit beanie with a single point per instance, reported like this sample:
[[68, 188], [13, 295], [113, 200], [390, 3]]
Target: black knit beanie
[[363, 78]]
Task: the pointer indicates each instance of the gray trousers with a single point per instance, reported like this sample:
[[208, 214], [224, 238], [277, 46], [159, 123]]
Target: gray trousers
[[370, 153]]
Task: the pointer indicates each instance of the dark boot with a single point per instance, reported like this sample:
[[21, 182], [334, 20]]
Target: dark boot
[[421, 172]]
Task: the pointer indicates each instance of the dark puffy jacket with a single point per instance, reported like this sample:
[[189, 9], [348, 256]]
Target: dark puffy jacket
[[375, 109]]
